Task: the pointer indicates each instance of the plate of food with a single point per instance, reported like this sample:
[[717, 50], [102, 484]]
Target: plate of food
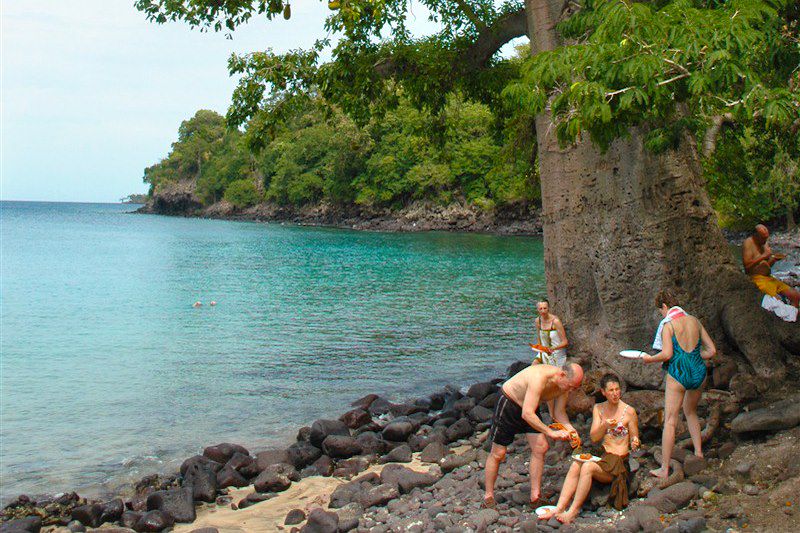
[[632, 354], [538, 348], [544, 509], [585, 457]]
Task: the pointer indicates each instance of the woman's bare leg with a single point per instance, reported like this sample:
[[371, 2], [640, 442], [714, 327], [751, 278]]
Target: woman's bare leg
[[589, 472], [673, 397], [567, 491], [690, 401]]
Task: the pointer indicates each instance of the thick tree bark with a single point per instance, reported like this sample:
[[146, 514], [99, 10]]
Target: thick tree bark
[[621, 225]]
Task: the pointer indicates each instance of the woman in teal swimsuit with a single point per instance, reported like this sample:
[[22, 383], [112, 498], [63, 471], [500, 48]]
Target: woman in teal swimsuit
[[686, 346]]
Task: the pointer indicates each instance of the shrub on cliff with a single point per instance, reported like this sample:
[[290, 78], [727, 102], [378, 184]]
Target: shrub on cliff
[[242, 193]]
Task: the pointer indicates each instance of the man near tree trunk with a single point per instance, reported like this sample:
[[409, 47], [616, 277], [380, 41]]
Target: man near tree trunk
[[757, 258]]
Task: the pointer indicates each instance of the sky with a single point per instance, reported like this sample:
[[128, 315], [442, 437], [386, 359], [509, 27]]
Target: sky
[[92, 93]]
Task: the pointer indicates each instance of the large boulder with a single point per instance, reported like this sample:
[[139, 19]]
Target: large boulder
[[479, 391], [221, 453], [380, 495], [356, 418], [578, 402], [244, 464], [228, 477], [323, 428], [371, 444], [341, 446], [405, 478], [302, 454], [31, 524], [88, 515], [321, 521], [781, 415], [272, 480], [401, 454], [398, 431], [271, 457], [200, 459], [365, 402], [460, 430], [178, 503], [649, 405], [480, 414], [434, 452], [349, 516], [153, 521], [112, 511], [380, 406]]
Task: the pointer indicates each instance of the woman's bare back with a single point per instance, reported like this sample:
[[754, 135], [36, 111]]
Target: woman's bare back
[[687, 330]]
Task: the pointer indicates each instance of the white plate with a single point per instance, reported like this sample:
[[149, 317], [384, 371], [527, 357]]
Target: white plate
[[632, 354], [543, 509], [577, 457]]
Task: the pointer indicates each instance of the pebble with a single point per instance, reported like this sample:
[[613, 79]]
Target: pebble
[[751, 490]]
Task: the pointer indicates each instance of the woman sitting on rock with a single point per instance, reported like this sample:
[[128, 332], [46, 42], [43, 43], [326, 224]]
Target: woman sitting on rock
[[617, 425]]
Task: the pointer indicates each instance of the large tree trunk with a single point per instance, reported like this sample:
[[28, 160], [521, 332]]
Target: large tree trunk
[[621, 225]]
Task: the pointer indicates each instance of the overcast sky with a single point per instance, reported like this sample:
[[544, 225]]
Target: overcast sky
[[92, 93]]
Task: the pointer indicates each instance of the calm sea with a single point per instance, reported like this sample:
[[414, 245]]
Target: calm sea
[[109, 373]]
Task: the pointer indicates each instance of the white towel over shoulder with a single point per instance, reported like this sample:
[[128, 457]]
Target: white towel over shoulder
[[674, 312]]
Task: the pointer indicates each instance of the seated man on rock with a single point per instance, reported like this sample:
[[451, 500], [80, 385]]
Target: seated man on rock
[[757, 259], [516, 413], [617, 425]]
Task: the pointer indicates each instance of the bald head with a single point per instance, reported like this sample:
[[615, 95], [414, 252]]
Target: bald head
[[573, 374]]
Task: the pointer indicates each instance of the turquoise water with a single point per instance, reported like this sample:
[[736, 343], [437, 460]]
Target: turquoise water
[[108, 373]]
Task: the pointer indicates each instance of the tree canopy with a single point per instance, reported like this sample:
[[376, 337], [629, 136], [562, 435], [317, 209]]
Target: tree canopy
[[670, 67]]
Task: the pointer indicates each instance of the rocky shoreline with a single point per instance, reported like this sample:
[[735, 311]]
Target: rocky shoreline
[[417, 466], [180, 199]]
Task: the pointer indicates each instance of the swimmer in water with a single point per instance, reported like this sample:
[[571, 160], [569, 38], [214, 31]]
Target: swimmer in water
[[197, 304], [213, 303]]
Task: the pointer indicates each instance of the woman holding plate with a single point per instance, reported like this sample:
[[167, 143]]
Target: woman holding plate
[[617, 425], [551, 349], [685, 347]]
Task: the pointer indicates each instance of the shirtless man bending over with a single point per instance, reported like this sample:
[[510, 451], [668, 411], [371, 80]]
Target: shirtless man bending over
[[516, 413], [757, 258]]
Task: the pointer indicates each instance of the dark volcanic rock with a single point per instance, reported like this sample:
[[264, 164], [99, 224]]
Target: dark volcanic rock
[[365, 402], [351, 467], [463, 405], [480, 414], [349, 516], [112, 511], [303, 453], [380, 406], [304, 434], [270, 480], [517, 367], [200, 459], [460, 430], [30, 523], [322, 428], [178, 503], [271, 457], [77, 527], [380, 495], [433, 452], [88, 515], [324, 465], [780, 415], [490, 402], [203, 482], [371, 444], [228, 477], [129, 519], [244, 464], [321, 521], [479, 391], [406, 478], [254, 498], [356, 418], [294, 517], [341, 446], [398, 431], [401, 454], [221, 453], [453, 461], [153, 521]]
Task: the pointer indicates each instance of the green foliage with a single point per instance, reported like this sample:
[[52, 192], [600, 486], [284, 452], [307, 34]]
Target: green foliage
[[669, 68], [754, 177], [242, 193]]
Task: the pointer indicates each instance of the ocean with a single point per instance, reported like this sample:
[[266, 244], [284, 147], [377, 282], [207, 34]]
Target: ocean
[[108, 373]]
